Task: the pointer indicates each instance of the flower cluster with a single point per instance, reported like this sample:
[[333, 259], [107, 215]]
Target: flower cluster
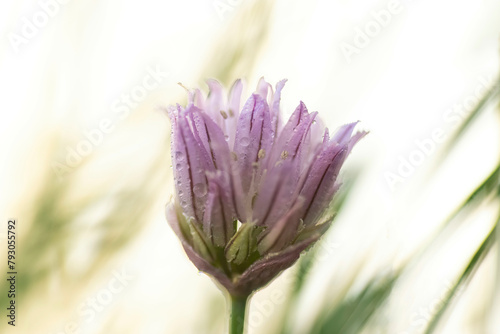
[[252, 189]]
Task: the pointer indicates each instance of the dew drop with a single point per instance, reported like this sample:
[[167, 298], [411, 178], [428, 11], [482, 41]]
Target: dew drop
[[183, 203], [179, 156], [245, 141], [226, 137], [200, 189], [178, 167]]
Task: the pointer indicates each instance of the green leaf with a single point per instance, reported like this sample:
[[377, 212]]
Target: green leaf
[[465, 278], [352, 314], [490, 95], [489, 186]]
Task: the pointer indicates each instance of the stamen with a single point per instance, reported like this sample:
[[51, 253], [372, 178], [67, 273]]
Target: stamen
[[180, 84]]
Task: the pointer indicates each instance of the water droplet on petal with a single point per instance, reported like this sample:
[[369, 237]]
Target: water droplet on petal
[[200, 189], [245, 141], [179, 156], [226, 137], [178, 166]]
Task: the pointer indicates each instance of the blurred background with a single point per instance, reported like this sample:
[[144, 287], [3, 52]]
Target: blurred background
[[86, 161]]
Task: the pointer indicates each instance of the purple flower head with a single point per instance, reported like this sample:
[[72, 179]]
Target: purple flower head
[[252, 189]]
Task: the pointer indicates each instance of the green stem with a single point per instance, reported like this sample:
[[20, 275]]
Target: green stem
[[237, 317]]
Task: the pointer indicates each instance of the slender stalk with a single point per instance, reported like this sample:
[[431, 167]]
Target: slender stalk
[[237, 317]]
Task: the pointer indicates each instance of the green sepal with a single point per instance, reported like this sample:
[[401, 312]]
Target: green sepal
[[305, 232], [183, 225], [201, 243], [243, 244]]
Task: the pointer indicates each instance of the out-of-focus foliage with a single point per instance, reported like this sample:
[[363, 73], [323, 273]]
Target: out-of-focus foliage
[[353, 313], [46, 247]]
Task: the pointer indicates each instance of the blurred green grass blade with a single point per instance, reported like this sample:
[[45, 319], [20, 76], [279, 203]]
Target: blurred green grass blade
[[304, 266], [492, 93], [465, 278], [237, 51], [486, 188], [489, 186], [47, 241], [306, 262], [353, 314]]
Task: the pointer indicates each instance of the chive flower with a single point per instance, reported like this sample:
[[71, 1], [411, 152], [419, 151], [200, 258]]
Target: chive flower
[[251, 188]]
